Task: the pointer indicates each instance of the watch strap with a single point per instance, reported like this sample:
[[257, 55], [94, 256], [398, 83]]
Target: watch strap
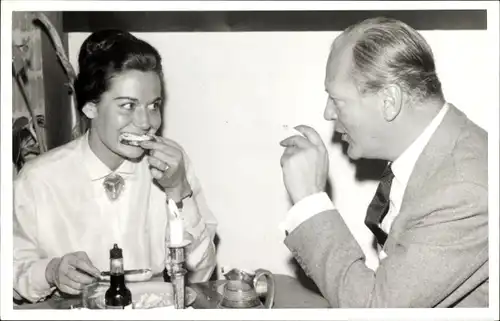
[[180, 204]]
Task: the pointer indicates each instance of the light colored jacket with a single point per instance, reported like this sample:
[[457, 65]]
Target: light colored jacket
[[438, 244]]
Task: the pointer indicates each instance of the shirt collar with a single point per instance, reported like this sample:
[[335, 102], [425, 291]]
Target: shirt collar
[[402, 167], [97, 169]]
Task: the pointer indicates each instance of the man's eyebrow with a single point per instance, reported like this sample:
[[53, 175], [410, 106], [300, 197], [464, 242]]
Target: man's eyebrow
[[332, 96]]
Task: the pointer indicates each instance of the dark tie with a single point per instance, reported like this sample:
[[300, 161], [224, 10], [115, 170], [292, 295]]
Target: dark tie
[[379, 206]]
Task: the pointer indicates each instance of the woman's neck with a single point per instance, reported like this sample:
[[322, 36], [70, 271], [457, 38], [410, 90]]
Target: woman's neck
[[105, 155]]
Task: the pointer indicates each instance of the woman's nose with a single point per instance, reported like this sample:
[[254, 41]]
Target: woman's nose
[[330, 110], [142, 119]]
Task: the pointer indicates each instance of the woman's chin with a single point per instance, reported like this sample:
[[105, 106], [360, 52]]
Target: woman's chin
[[131, 152]]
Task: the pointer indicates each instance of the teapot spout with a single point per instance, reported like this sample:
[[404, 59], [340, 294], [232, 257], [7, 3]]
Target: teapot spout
[[238, 275]]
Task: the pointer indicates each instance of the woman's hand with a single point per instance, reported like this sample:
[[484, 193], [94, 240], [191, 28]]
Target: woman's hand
[[71, 273], [167, 167]]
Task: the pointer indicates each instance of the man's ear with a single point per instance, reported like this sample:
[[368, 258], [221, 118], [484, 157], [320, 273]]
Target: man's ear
[[90, 110], [393, 102]]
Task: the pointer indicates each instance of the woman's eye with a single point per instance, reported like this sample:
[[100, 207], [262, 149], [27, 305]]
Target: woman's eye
[[128, 106], [155, 106]]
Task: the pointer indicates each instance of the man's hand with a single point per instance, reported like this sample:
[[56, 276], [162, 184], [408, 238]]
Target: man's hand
[[167, 167], [304, 163], [71, 273]]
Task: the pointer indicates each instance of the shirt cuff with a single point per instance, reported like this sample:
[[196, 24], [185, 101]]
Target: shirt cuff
[[305, 209], [39, 284], [199, 255], [196, 231]]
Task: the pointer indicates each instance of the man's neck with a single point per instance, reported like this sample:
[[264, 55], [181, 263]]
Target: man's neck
[[412, 124]]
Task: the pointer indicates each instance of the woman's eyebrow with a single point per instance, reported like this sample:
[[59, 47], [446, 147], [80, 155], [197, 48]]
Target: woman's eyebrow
[[157, 99], [125, 97]]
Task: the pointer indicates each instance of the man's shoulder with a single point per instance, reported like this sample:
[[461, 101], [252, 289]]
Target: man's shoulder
[[458, 172], [470, 155], [461, 148]]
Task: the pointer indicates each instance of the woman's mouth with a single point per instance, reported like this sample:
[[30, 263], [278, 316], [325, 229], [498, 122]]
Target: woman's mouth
[[133, 139]]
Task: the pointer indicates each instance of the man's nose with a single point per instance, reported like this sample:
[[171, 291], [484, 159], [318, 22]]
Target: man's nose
[[142, 119], [330, 110]]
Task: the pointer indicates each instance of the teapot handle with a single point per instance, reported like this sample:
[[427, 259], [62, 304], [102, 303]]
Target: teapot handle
[[268, 304]]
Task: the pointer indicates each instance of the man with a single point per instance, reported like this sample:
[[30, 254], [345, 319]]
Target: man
[[430, 211]]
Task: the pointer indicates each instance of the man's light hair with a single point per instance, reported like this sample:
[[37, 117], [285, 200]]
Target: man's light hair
[[387, 51]]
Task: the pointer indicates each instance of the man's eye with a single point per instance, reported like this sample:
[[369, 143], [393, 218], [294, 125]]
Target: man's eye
[[337, 102]]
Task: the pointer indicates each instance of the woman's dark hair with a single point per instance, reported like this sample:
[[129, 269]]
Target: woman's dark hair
[[106, 53]]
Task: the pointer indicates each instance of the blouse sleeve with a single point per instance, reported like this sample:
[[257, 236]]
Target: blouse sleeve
[[29, 263], [202, 225]]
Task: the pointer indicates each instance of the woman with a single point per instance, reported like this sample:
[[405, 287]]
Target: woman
[[74, 202]]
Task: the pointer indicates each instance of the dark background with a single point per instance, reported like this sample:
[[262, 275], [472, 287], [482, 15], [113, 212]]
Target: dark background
[[227, 21]]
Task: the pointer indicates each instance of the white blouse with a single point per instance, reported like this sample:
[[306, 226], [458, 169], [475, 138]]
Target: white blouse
[[60, 206]]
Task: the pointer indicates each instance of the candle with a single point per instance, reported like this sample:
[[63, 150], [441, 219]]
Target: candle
[[176, 227], [172, 207], [176, 231]]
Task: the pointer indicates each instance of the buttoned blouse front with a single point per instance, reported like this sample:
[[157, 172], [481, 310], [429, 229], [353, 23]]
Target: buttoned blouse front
[[61, 207]]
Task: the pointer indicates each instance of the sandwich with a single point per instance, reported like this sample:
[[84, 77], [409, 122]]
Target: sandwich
[[132, 139]]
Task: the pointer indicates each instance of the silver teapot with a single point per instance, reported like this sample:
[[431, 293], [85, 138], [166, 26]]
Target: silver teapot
[[244, 289]]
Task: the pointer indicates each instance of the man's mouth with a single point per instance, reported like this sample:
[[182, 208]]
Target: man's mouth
[[342, 134]]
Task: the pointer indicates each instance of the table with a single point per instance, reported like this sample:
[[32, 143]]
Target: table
[[289, 293]]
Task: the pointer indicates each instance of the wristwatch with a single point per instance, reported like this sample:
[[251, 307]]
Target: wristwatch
[[180, 204]]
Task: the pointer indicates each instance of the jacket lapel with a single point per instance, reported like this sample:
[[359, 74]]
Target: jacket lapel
[[439, 147]]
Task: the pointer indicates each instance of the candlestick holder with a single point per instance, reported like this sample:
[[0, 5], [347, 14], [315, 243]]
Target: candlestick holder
[[176, 257]]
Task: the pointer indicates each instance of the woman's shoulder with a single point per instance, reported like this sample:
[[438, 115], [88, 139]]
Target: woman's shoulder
[[57, 161]]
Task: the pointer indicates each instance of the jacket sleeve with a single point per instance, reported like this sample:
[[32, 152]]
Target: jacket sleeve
[[28, 262], [431, 258]]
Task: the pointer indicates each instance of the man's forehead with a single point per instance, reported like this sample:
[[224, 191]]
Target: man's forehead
[[338, 66]]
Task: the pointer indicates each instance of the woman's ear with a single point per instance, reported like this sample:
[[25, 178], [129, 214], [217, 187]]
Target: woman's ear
[[393, 102], [90, 110]]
